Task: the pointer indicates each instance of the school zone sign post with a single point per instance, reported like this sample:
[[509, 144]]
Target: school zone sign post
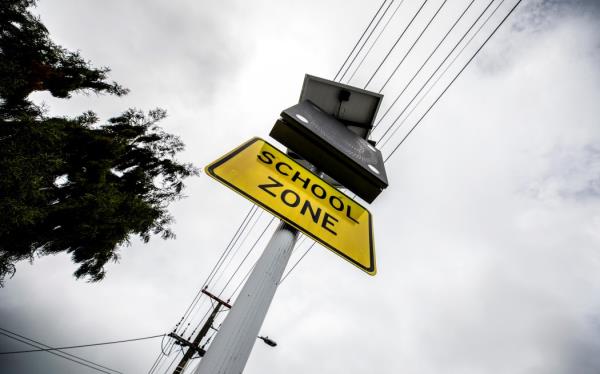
[[274, 181]]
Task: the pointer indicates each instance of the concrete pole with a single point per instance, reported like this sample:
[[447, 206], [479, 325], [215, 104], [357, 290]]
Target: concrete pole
[[232, 345]]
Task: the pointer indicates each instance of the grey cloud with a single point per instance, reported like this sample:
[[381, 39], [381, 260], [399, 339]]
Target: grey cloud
[[573, 173], [582, 352], [474, 275], [540, 14], [535, 18]]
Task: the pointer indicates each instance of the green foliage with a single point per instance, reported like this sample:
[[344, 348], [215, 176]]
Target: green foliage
[[69, 184], [30, 61]]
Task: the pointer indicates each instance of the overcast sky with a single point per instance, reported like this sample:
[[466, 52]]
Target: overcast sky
[[487, 240]]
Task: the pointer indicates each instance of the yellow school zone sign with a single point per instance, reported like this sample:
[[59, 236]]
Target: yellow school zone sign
[[271, 179]]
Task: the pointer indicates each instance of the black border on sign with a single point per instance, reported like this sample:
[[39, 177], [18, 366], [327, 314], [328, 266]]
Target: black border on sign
[[210, 169]]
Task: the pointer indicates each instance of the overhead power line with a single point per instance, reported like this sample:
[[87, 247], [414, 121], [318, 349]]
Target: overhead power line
[[226, 252], [297, 262], [235, 240], [366, 40], [83, 345], [359, 39], [375, 41], [243, 280], [447, 87], [395, 43], [242, 228], [439, 77], [168, 370], [218, 263], [413, 45], [238, 248], [65, 355], [157, 360], [436, 70], [442, 74], [423, 64], [239, 232], [389, 52], [246, 220], [453, 80], [195, 301], [246, 256]]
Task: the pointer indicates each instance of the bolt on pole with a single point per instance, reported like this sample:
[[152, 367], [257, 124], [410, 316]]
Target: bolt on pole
[[232, 345]]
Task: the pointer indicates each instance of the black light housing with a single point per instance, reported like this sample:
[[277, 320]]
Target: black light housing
[[268, 341], [333, 148]]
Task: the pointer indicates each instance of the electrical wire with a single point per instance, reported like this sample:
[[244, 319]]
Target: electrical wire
[[246, 256], [375, 41], [65, 355], [386, 141], [243, 280], [245, 277], [437, 69], [439, 77], [250, 214], [366, 40], [83, 345], [423, 116], [423, 64], [395, 43], [237, 250], [244, 224], [162, 345], [162, 354], [412, 46], [453, 80], [212, 335], [152, 368], [236, 240], [297, 262], [160, 365], [232, 243], [203, 318], [217, 264], [180, 352], [359, 39], [300, 241], [213, 271], [237, 269], [159, 359]]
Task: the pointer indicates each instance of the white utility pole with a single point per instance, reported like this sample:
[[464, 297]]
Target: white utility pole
[[232, 345]]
